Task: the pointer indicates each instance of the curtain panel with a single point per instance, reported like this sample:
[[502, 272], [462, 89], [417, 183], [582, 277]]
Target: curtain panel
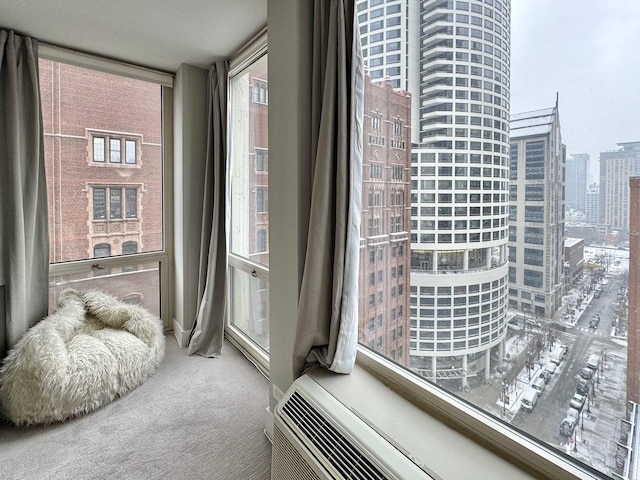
[[327, 325], [24, 234], [208, 331]]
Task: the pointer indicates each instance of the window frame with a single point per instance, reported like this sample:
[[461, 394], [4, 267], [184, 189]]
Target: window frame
[[162, 257], [249, 54], [490, 433]]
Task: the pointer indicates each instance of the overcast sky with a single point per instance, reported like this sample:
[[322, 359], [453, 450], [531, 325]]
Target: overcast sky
[[589, 52]]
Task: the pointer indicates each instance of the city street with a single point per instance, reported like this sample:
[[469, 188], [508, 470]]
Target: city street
[[598, 427]]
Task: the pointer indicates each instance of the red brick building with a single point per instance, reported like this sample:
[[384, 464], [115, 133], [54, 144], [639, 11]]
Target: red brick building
[[386, 208], [633, 350], [259, 163], [103, 152]]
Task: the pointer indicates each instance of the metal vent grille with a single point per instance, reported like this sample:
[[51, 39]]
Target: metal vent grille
[[287, 463], [334, 447]]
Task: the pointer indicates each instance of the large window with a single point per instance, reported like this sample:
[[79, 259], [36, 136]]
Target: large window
[[463, 171], [105, 187], [249, 227]]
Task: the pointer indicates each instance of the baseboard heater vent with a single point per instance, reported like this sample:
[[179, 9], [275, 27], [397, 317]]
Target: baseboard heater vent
[[316, 437]]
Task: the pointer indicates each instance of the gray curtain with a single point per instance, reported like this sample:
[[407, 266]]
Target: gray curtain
[[24, 234], [208, 330], [327, 326]]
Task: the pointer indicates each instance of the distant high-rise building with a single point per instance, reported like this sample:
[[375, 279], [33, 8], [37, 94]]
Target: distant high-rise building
[[455, 59], [576, 181], [592, 205], [536, 212], [384, 253], [615, 169]]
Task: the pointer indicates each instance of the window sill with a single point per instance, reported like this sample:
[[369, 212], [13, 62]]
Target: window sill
[[453, 439]]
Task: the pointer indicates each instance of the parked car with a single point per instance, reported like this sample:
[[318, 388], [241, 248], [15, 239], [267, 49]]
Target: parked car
[[582, 387], [539, 385], [567, 426], [577, 401], [529, 399], [572, 413], [556, 355], [550, 367], [546, 375], [586, 373], [594, 361]]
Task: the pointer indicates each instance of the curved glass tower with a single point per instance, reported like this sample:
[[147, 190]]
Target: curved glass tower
[[459, 207]]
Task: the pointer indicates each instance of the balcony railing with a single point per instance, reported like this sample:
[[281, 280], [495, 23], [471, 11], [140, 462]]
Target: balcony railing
[[458, 271]]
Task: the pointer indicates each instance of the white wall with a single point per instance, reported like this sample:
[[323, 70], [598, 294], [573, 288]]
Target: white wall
[[289, 26]]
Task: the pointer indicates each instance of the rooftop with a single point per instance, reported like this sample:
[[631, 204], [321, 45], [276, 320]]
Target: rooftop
[[570, 241], [536, 122]]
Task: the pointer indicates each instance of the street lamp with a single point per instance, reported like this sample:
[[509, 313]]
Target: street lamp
[[504, 398]]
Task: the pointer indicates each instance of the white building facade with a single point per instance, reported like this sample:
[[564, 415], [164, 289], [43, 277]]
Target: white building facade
[[592, 205]]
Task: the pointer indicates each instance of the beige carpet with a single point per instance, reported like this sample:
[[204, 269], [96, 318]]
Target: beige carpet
[[196, 418]]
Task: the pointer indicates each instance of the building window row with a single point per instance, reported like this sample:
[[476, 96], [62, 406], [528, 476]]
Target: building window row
[[102, 250], [117, 150], [108, 202]]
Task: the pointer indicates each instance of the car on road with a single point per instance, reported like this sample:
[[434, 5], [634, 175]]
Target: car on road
[[556, 355], [546, 375], [582, 387], [567, 426], [595, 321], [586, 373], [572, 413], [577, 401], [594, 361], [538, 385], [529, 399]]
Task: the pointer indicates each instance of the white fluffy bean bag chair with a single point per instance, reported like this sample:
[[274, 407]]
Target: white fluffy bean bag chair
[[92, 350]]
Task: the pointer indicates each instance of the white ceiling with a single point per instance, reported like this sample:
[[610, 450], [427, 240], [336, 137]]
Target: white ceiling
[[160, 34]]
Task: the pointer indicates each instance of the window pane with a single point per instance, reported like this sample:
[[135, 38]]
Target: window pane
[[250, 306], [114, 150], [86, 191], [249, 182], [140, 286], [489, 293], [99, 203], [131, 202], [130, 151], [98, 149], [115, 203]]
